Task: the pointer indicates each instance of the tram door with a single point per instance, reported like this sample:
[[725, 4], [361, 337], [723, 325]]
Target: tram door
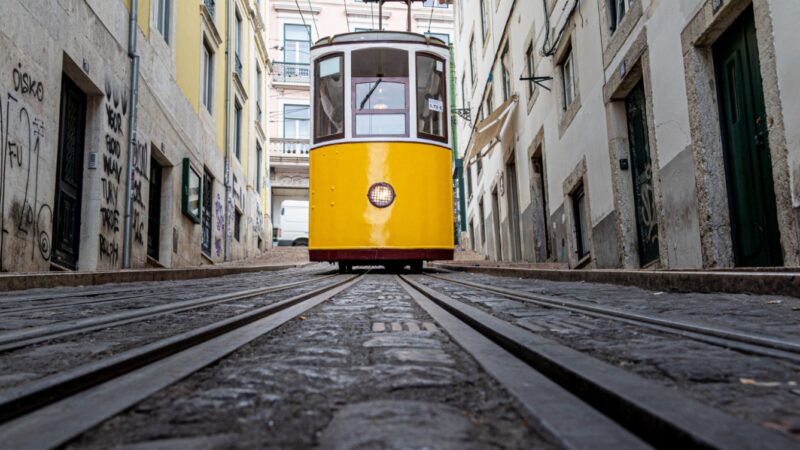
[[642, 173], [748, 164], [69, 179]]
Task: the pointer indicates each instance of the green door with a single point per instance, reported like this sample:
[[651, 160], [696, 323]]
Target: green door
[[644, 197], [748, 166]]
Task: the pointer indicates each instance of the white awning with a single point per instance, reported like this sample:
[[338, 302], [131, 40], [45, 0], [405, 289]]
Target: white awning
[[490, 129]]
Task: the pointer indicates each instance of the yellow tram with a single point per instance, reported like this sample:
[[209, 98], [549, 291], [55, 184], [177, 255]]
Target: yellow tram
[[380, 183]]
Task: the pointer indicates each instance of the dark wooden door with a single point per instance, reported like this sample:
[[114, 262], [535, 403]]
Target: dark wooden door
[[642, 174], [513, 210], [154, 211], [748, 165], [69, 176], [207, 211], [498, 243]]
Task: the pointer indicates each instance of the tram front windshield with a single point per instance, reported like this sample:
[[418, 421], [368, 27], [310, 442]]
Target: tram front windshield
[[380, 92]]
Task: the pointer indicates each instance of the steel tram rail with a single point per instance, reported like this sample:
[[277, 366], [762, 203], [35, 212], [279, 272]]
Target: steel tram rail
[[15, 339], [49, 412], [745, 342], [78, 300], [661, 416]]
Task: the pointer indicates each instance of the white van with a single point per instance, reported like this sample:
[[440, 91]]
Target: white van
[[293, 229]]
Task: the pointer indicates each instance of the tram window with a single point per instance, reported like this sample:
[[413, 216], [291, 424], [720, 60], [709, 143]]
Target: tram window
[[380, 92], [431, 102], [329, 98]]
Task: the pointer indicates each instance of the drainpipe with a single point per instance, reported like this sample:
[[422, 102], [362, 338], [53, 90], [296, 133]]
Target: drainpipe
[[227, 177], [126, 229]]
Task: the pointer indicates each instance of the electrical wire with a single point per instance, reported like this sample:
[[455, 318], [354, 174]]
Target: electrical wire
[[346, 14], [430, 19], [313, 18], [549, 49], [302, 17]]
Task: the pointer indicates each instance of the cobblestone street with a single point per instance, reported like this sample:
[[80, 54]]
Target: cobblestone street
[[304, 358]]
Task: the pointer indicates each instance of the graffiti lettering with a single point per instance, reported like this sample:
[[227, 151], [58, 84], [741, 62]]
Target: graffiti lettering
[[109, 250], [110, 219], [25, 84], [138, 227], [114, 119]]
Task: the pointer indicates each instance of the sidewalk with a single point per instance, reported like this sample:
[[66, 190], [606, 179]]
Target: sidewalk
[[785, 281], [273, 260]]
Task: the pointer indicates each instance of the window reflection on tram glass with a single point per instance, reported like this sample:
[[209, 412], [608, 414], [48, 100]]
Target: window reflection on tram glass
[[430, 98], [329, 98], [380, 92]]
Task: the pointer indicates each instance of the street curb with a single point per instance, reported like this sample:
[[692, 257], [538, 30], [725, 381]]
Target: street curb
[[732, 282], [22, 281]]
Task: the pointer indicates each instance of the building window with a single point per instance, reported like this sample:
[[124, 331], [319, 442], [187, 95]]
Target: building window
[[296, 43], [380, 87], [469, 180], [431, 102], [259, 94], [616, 11], [472, 59], [329, 98], [479, 163], [208, 77], [259, 162], [237, 130], [434, 4], [581, 222], [463, 90], [484, 21], [162, 18], [480, 222], [530, 67], [505, 64], [296, 120], [237, 226], [568, 79], [238, 43], [489, 100]]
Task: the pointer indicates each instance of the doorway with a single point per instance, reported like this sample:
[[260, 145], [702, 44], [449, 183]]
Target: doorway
[[69, 176], [540, 193], [154, 210], [498, 245], [644, 198], [512, 197], [748, 164], [207, 211]]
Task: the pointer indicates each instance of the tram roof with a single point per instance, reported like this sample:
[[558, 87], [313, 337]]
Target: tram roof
[[380, 36]]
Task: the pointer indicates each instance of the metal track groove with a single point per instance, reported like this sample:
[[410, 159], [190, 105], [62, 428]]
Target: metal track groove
[[661, 416]]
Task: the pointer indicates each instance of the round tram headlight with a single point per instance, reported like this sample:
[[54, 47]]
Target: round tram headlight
[[381, 195]]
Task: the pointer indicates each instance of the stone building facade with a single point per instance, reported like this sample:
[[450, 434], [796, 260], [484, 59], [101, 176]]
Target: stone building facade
[[631, 133], [292, 30], [66, 133]]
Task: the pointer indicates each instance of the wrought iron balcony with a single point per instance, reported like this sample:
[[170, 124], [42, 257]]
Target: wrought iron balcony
[[210, 7], [285, 72]]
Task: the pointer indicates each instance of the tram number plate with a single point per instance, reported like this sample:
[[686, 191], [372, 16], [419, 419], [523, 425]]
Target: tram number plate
[[435, 105]]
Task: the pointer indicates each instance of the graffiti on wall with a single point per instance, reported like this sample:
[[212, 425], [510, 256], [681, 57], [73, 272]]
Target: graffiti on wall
[[116, 108], [22, 136]]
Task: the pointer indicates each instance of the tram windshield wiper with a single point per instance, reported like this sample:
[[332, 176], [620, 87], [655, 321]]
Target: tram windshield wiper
[[369, 94]]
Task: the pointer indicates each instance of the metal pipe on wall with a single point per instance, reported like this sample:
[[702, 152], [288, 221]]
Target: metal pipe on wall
[[126, 229], [227, 177]]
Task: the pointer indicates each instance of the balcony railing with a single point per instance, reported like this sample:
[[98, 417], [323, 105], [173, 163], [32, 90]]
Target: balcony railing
[[284, 72], [289, 147], [210, 7]]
